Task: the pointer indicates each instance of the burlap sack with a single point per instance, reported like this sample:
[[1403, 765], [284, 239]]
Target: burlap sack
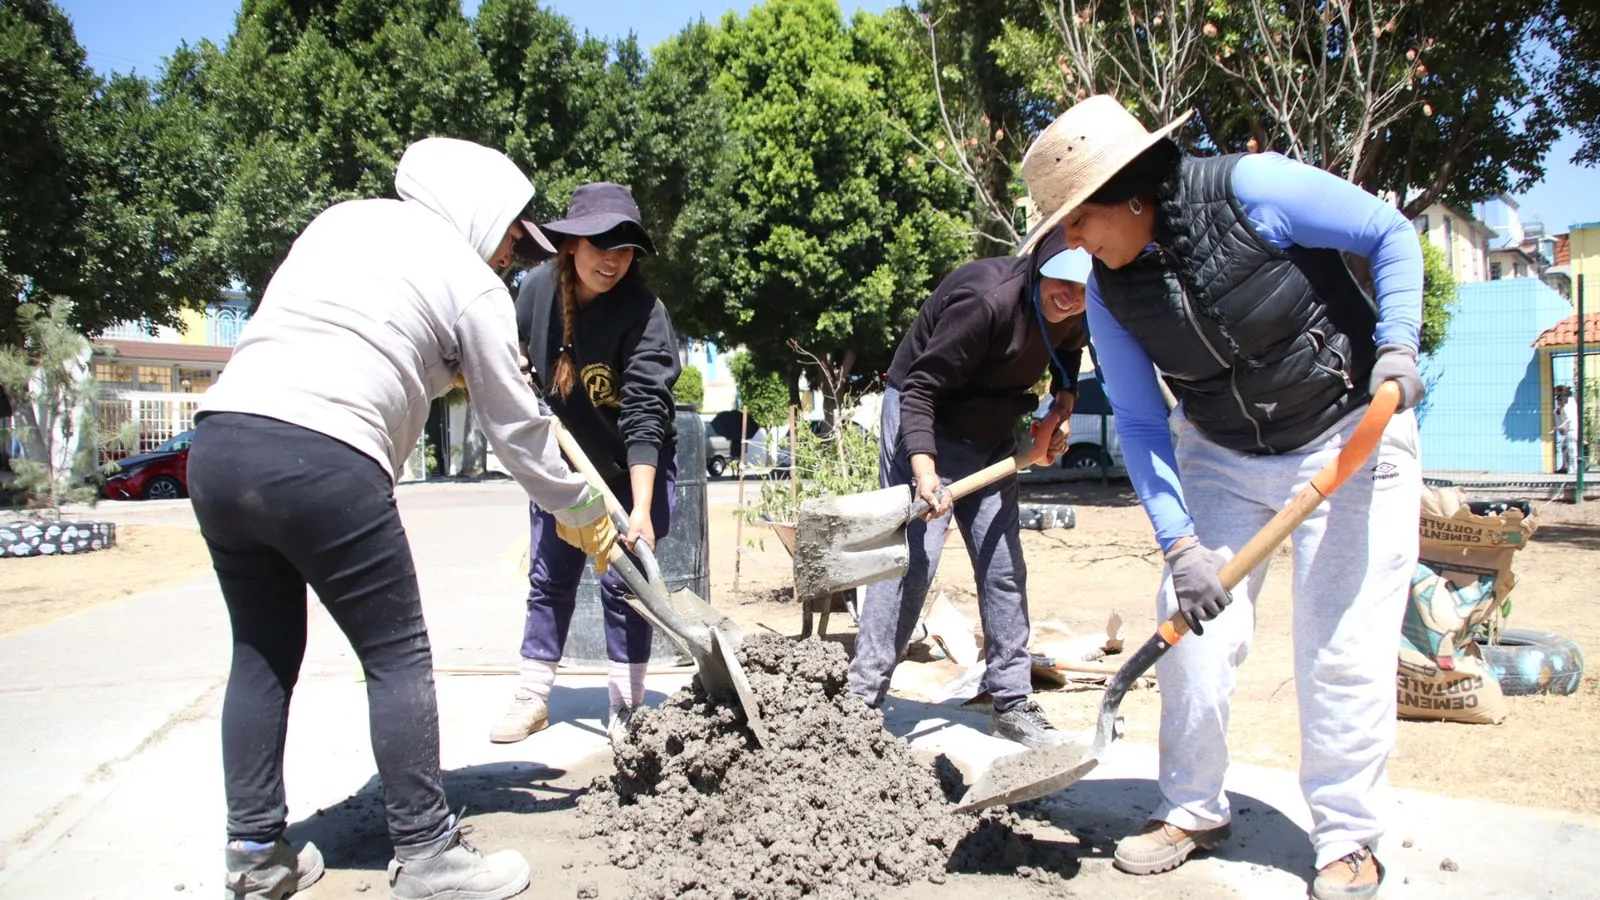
[[1462, 578]]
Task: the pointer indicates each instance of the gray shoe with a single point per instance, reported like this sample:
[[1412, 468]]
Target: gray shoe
[[270, 874], [449, 868], [1025, 723], [617, 728]]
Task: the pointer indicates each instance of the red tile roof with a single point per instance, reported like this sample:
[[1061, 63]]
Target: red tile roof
[[155, 351], [1565, 333], [1563, 250]]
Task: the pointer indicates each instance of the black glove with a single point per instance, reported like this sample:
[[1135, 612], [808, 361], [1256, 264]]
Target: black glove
[[1201, 596], [1399, 364]]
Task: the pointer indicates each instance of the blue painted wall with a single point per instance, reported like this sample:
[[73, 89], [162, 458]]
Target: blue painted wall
[[1483, 410]]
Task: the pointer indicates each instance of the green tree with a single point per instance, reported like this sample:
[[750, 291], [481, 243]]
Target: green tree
[[314, 101], [1438, 295], [829, 231], [691, 388], [107, 188], [761, 393], [53, 396]]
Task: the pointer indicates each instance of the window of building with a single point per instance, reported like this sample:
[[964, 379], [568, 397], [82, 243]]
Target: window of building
[[224, 322], [1494, 271], [156, 379], [1449, 244], [113, 376], [1421, 223]]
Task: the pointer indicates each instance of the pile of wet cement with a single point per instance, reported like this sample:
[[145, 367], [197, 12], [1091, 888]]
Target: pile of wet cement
[[834, 807]]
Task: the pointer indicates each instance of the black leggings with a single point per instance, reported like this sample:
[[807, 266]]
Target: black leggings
[[282, 507]]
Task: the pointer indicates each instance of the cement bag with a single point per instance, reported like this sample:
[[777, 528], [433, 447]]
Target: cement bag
[[1462, 578]]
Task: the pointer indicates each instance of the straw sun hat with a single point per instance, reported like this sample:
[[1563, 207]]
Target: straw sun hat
[[1079, 152]]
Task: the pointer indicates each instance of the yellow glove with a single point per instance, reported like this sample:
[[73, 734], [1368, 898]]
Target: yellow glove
[[588, 527]]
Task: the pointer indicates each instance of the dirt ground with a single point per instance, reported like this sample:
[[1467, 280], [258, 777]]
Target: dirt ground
[[146, 557], [1108, 562]]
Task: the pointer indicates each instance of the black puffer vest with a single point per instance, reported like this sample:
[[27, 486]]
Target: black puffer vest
[[1266, 348]]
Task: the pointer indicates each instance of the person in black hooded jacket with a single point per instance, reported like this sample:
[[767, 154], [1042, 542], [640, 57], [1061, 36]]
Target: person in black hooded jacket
[[960, 380], [588, 319]]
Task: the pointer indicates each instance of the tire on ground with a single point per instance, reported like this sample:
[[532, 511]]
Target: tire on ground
[[1534, 662], [55, 538]]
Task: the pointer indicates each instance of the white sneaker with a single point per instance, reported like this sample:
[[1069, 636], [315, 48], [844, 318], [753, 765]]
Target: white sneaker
[[526, 716], [617, 728]]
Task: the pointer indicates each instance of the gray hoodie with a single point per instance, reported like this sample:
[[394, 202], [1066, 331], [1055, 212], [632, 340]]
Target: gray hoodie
[[380, 303]]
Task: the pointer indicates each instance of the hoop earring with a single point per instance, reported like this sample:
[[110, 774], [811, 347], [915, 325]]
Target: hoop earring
[[1135, 207]]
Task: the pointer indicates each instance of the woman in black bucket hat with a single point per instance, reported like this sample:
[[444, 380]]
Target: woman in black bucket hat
[[605, 354]]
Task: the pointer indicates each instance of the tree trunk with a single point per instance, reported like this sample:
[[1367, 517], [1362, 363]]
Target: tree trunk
[[437, 432]]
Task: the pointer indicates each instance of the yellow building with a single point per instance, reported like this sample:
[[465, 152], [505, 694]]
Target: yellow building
[[1585, 243]]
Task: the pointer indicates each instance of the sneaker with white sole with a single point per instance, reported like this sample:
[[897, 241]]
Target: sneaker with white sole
[[526, 716], [1161, 846], [1026, 724], [270, 873], [449, 868]]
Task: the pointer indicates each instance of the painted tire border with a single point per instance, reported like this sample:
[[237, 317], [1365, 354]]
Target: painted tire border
[[22, 540], [1528, 662]]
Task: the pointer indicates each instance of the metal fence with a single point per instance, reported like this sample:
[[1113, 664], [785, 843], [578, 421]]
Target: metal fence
[[152, 418], [1491, 404]]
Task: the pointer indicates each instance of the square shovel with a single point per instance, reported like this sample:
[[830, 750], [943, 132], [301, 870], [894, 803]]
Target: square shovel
[[856, 539]]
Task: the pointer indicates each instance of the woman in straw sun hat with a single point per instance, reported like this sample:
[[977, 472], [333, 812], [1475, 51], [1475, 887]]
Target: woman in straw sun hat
[[1226, 275]]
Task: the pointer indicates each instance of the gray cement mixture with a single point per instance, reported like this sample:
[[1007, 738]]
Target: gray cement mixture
[[835, 806]]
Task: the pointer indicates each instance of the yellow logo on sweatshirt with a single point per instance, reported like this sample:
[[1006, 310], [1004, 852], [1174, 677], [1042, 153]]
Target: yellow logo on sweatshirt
[[600, 380]]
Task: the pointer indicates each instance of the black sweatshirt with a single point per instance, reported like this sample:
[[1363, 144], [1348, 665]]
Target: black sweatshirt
[[621, 409], [966, 368]]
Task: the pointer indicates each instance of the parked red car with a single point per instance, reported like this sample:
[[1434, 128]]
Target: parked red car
[[161, 474]]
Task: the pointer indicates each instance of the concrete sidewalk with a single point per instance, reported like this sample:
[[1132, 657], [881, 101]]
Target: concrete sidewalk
[[110, 761]]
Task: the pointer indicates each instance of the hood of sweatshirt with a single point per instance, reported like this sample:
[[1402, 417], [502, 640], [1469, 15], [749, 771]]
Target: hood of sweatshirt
[[476, 189]]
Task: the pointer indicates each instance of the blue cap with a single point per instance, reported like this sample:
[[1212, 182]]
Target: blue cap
[[1068, 265]]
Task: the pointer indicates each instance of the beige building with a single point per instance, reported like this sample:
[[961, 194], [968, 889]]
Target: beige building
[[1464, 240]]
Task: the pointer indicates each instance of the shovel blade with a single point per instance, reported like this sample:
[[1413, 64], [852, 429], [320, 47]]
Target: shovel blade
[[852, 540], [1028, 776], [712, 640]]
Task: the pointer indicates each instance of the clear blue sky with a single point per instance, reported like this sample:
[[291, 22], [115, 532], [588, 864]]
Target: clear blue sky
[[125, 35]]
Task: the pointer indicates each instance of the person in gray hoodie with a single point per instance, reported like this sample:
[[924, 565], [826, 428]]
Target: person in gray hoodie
[[379, 306]]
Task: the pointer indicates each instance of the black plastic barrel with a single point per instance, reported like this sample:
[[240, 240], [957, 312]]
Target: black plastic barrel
[[683, 554]]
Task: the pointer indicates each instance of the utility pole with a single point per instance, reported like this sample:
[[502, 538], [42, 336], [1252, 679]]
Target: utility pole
[[1581, 388]]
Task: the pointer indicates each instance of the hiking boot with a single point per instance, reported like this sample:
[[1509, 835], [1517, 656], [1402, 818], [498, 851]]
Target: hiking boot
[[272, 872], [525, 716], [449, 868], [1025, 723], [1161, 846], [1354, 876], [617, 728]]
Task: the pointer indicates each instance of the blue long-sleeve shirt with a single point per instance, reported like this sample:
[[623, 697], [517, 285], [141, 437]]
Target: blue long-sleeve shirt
[[1289, 203]]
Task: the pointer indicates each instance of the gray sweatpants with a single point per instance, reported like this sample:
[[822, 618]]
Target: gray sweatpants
[[1353, 560], [989, 522]]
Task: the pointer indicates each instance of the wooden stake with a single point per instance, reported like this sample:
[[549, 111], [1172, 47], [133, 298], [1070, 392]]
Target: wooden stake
[[794, 479], [738, 519]]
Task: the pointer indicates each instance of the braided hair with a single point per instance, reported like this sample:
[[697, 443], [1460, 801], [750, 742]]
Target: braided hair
[[566, 369]]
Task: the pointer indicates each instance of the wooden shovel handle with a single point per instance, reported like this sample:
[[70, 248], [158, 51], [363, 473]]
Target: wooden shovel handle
[[580, 461], [981, 479], [1351, 458]]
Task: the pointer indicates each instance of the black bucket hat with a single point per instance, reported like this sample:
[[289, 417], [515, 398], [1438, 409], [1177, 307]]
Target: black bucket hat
[[606, 214]]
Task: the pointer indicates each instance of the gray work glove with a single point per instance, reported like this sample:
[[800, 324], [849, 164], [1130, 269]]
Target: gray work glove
[[1399, 364], [1201, 596]]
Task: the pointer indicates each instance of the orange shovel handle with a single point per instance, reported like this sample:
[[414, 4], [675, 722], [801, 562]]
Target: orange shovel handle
[[1355, 453]]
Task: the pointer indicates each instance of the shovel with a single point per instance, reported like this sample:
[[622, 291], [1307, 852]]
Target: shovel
[[709, 637], [1038, 773], [845, 542]]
